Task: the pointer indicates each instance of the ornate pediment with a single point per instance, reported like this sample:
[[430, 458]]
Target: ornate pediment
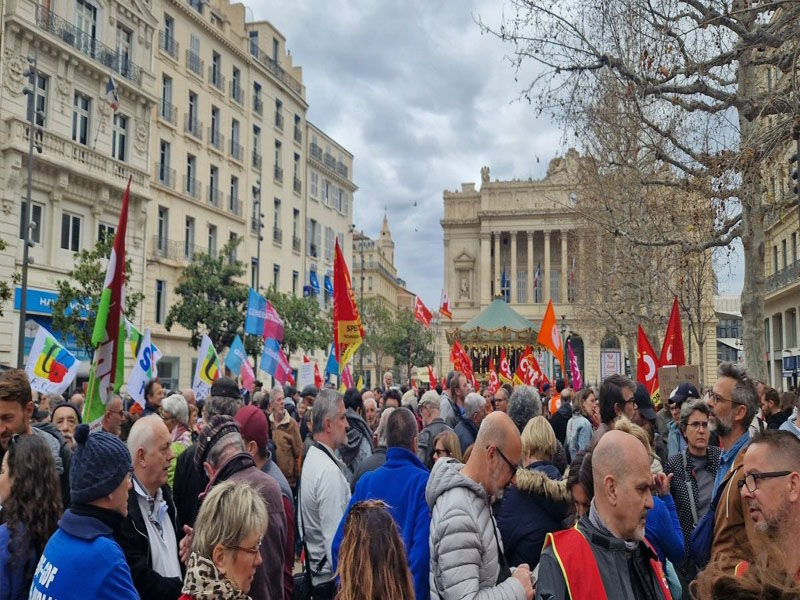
[[464, 261]]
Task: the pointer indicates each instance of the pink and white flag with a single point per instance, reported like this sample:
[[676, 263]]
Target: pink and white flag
[[273, 325]]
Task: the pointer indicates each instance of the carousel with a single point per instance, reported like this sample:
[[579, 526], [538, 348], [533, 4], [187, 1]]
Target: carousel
[[498, 327]]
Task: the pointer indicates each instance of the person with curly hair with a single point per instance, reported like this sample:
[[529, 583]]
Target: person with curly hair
[[372, 560], [31, 497]]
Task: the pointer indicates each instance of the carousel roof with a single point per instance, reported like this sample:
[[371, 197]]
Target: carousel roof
[[497, 316], [498, 323]]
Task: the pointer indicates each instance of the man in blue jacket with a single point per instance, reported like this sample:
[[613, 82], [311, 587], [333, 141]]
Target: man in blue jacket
[[401, 483]]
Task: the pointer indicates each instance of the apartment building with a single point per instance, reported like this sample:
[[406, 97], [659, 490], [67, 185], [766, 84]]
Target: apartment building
[[86, 152]]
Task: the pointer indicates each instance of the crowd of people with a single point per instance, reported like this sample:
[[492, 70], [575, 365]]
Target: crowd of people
[[392, 494]]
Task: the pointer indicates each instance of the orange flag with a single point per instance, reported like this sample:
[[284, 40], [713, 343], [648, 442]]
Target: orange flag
[[347, 329], [550, 337]]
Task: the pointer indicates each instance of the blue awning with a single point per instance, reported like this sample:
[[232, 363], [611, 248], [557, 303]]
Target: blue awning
[[314, 282], [328, 285]]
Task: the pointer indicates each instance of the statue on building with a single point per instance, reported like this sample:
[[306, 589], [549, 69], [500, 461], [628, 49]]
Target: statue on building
[[464, 287], [484, 174]]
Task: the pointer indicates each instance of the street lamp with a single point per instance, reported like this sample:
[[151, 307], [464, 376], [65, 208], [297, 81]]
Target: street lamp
[[260, 216]]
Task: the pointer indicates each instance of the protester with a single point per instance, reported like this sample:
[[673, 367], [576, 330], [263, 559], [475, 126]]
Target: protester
[[148, 535], [616, 398], [371, 413], [580, 484], [175, 413], [78, 399], [392, 398], [547, 399], [676, 443], [501, 398], [286, 437], [523, 405], [154, 395], [474, 413], [776, 409], [31, 501], [733, 404], [309, 394], [16, 409], [82, 559], [400, 482], [621, 563], [694, 471], [378, 457], [432, 425], [466, 553], [223, 457], [790, 424], [538, 502], [188, 395], [562, 416], [358, 446], [113, 416], [446, 445], [324, 492], [225, 556], [372, 563], [453, 409], [581, 425], [66, 418]]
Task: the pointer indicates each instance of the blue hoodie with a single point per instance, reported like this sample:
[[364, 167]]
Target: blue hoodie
[[82, 560], [401, 483]]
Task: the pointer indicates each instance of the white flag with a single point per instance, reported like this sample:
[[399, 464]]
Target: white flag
[[143, 370], [135, 340], [50, 367], [207, 370]]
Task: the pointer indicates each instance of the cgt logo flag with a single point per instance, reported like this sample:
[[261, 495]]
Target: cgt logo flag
[[207, 370], [505, 369], [494, 380], [522, 375], [422, 314], [646, 364], [672, 350], [348, 332], [549, 336], [50, 367]]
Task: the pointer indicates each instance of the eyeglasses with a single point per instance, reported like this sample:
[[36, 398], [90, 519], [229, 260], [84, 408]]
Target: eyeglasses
[[511, 465], [253, 551], [440, 452], [720, 399], [698, 424], [751, 481]]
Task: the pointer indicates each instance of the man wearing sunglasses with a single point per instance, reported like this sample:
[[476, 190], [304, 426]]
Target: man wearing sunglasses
[[770, 491]]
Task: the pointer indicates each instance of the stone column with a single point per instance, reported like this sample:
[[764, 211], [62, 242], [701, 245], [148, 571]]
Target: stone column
[[529, 280], [546, 268], [564, 269], [513, 299], [496, 276], [486, 270], [583, 296]]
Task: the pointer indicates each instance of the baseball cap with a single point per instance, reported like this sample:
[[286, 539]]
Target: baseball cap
[[683, 392], [253, 425], [309, 390], [643, 403], [226, 387]]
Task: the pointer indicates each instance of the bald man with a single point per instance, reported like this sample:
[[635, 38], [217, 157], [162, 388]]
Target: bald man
[[608, 550], [465, 546]]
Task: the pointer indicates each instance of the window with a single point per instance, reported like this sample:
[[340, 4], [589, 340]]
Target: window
[[256, 141], [775, 259], [35, 220], [313, 188], [254, 272], [233, 248], [295, 222], [278, 113], [169, 28], [785, 256], [216, 140], [522, 286], [86, 24], [162, 228], [295, 278], [105, 232], [161, 300], [236, 85], [276, 276], [276, 214], [212, 241], [234, 199], [254, 43], [188, 238], [191, 116], [258, 103], [278, 147], [191, 175], [254, 211], [275, 47], [213, 185], [38, 99], [328, 243], [70, 232], [216, 69], [124, 50], [166, 98], [326, 185], [296, 166], [119, 137], [369, 283], [163, 165], [313, 235], [794, 247], [81, 109], [235, 131], [555, 286]]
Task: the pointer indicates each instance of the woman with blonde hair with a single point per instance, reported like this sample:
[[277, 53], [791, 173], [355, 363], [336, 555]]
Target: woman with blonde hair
[[372, 559], [447, 445], [540, 500]]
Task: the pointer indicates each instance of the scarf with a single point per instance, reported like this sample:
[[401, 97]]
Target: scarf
[[111, 518], [596, 520], [203, 581], [180, 434]]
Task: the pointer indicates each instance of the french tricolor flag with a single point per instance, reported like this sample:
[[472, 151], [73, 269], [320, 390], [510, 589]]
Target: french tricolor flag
[[111, 95]]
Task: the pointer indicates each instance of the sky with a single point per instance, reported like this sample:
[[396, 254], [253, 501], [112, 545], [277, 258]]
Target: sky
[[422, 100]]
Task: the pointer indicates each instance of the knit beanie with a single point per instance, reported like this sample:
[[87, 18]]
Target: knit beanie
[[217, 427], [99, 464]]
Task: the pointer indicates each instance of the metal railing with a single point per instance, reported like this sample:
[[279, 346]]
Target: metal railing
[[258, 105], [277, 234], [297, 185], [168, 112], [253, 224], [168, 44], [216, 78], [783, 278], [191, 186], [341, 169], [273, 67], [278, 173], [163, 247], [316, 152], [279, 120], [296, 243], [165, 176], [214, 196], [298, 135], [216, 139], [236, 151], [193, 127], [256, 160], [235, 205], [194, 63], [85, 43], [236, 92]]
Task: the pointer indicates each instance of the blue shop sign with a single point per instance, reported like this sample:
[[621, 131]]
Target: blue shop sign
[[41, 302], [67, 341]]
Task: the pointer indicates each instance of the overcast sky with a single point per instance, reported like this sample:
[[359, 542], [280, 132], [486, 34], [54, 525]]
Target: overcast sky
[[422, 100]]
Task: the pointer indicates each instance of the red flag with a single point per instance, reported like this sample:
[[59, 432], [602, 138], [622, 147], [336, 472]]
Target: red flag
[[522, 373], [306, 360], [494, 381], [273, 325], [248, 377], [347, 378], [672, 350], [535, 375], [461, 360], [549, 336], [348, 332], [317, 377], [474, 380], [444, 308], [422, 314], [283, 372], [505, 370], [431, 378], [646, 364]]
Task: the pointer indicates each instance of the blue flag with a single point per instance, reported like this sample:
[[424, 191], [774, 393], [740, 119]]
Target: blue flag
[[256, 313], [271, 356], [236, 356], [332, 367]]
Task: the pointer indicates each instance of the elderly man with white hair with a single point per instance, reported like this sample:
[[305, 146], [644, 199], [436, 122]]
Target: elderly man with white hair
[[432, 425], [474, 413], [175, 412], [371, 413]]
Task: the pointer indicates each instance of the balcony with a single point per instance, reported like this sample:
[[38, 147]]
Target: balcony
[[173, 250], [85, 43], [165, 176], [279, 120], [329, 161], [297, 185], [277, 235], [194, 63], [194, 127], [256, 160], [278, 174], [168, 112], [214, 197], [296, 243], [191, 187], [235, 205], [254, 224], [167, 44], [783, 278], [298, 135], [236, 151], [341, 169], [236, 92], [258, 105], [216, 139], [273, 67], [316, 152], [312, 249], [216, 79]]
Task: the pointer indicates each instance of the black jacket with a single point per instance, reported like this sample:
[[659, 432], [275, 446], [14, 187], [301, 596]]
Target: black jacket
[[188, 484], [559, 421], [466, 431], [65, 454], [133, 540]]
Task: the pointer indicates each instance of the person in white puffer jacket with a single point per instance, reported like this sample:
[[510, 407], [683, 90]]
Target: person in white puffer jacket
[[467, 560]]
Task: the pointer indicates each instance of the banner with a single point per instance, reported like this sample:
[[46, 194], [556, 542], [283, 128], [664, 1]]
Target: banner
[[505, 369], [305, 375], [574, 371], [646, 364], [50, 366], [270, 357], [331, 367], [348, 331], [549, 336], [207, 370], [494, 380], [460, 359], [236, 356], [534, 375], [318, 377], [143, 370], [248, 377], [256, 313], [444, 306], [135, 341], [273, 325], [422, 314], [672, 350]]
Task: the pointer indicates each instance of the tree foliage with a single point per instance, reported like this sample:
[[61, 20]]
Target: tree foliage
[[410, 344], [378, 321], [79, 294], [305, 326]]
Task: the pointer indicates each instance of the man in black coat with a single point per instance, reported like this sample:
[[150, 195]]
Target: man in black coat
[[562, 416]]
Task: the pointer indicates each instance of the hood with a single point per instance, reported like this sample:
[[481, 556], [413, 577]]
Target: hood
[[565, 410], [446, 475], [537, 482]]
